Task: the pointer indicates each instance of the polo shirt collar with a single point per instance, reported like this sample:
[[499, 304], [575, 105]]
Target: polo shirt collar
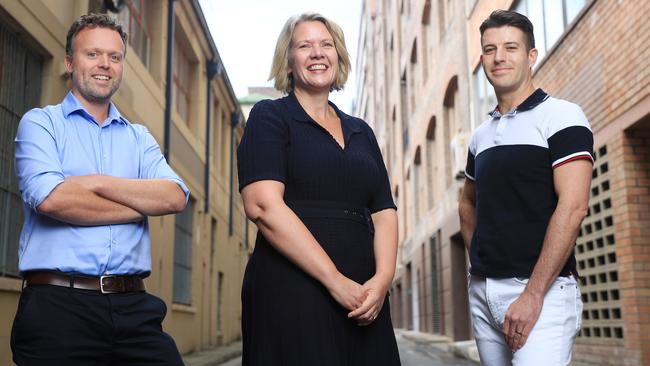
[[531, 102], [71, 105], [298, 113]]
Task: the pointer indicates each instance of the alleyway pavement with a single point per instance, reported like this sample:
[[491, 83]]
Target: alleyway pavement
[[416, 349]]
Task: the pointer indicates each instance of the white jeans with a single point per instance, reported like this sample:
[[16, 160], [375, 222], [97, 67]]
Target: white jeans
[[551, 340]]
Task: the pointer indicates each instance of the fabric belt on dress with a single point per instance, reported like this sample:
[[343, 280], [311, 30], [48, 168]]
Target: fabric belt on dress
[[332, 209], [103, 284]]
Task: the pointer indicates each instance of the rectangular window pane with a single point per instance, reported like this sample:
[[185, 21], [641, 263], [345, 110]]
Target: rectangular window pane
[[573, 7], [553, 21], [134, 18], [536, 16], [182, 286]]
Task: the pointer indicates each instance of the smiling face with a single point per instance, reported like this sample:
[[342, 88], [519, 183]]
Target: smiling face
[[506, 59], [313, 60], [96, 65]]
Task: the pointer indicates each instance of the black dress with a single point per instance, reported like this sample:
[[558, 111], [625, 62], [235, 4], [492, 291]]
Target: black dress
[[289, 318]]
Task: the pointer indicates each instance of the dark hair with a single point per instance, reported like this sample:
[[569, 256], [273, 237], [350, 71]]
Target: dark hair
[[501, 18], [93, 20]]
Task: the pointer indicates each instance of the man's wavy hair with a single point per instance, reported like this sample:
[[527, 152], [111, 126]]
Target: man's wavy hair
[[93, 20], [502, 18]]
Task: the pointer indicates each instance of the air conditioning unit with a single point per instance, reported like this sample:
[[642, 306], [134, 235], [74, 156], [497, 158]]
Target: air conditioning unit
[[459, 154]]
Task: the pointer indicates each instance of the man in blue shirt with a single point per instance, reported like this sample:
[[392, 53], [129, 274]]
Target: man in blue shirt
[[89, 179]]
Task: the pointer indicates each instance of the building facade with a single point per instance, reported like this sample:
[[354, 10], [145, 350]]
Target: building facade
[[198, 256], [413, 81], [425, 56]]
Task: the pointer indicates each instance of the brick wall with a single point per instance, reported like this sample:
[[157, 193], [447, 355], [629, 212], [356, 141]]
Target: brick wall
[[633, 228], [603, 64]]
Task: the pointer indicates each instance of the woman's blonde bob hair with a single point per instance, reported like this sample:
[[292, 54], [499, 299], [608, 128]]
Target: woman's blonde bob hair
[[283, 81]]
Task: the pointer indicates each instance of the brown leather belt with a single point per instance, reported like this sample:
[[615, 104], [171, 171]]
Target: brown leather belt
[[103, 284]]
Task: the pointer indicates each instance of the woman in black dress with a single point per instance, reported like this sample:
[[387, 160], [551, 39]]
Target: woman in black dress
[[313, 181]]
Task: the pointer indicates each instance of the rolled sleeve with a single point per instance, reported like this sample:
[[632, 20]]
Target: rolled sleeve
[[155, 166], [38, 166]]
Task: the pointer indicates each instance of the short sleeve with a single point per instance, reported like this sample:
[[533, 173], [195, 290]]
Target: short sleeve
[[471, 154], [570, 137], [262, 151], [382, 197], [38, 166]]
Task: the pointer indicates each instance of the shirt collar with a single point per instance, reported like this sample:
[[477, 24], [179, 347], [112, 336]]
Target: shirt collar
[[71, 105], [531, 102], [298, 113]]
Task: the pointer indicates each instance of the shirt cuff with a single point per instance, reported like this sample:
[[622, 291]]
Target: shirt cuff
[[45, 185]]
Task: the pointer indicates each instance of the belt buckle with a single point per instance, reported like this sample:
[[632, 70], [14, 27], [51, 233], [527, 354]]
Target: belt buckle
[[101, 284]]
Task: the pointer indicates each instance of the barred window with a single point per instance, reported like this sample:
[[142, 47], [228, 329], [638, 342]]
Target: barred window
[[182, 292], [182, 77], [20, 90], [135, 17]]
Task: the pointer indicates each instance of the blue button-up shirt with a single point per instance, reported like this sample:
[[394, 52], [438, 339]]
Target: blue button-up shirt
[[65, 140]]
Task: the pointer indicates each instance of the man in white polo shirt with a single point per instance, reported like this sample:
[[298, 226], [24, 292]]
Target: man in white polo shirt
[[526, 192]]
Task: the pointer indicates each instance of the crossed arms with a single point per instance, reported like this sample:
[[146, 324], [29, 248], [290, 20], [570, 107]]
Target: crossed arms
[[106, 200], [91, 199]]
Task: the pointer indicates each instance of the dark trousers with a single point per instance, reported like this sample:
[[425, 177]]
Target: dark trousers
[[62, 326]]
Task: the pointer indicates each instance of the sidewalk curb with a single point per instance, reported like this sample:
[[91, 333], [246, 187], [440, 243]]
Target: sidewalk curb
[[213, 356], [464, 349]]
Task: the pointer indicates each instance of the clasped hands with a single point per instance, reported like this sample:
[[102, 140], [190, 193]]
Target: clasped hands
[[364, 301]]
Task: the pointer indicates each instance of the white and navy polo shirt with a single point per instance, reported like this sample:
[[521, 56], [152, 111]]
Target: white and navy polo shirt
[[511, 160]]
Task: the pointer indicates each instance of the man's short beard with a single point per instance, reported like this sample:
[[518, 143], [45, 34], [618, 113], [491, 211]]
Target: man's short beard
[[91, 96]]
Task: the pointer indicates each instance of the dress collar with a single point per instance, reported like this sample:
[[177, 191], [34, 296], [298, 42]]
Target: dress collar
[[298, 113]]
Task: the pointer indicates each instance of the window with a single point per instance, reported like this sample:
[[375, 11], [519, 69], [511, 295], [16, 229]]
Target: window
[[182, 79], [225, 144], [219, 303], [444, 15], [450, 123], [550, 19], [20, 90], [426, 29], [182, 291], [135, 17], [413, 82], [432, 164], [405, 112], [485, 100], [216, 135]]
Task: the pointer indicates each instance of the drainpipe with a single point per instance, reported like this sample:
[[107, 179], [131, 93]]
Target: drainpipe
[[168, 78], [212, 70]]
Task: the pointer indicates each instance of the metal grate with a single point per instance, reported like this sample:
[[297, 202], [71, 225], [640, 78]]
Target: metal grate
[[182, 287], [597, 263], [20, 90]]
